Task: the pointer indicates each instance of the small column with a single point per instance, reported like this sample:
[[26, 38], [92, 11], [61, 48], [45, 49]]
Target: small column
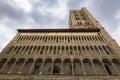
[[89, 39], [115, 68], [40, 50], [23, 51], [77, 50], [97, 40], [19, 71], [4, 65], [104, 69], [35, 52], [72, 68], [52, 67], [13, 49], [44, 50], [56, 50], [17, 47], [21, 38], [48, 51], [25, 38], [103, 50], [41, 39], [86, 39], [85, 50], [103, 39], [20, 49], [32, 50], [108, 50], [18, 39], [93, 67], [62, 67], [31, 38], [83, 68], [9, 71], [32, 66], [41, 69], [98, 50], [93, 41]]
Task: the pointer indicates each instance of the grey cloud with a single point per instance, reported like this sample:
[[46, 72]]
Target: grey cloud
[[46, 3], [106, 10], [6, 10], [74, 4]]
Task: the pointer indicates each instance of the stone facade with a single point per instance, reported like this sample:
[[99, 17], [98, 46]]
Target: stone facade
[[83, 52]]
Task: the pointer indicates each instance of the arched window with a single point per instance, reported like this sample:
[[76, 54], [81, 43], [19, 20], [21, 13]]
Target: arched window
[[67, 67]]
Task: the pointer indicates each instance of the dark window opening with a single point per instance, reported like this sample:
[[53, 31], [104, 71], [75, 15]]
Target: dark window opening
[[108, 70], [55, 71], [36, 69]]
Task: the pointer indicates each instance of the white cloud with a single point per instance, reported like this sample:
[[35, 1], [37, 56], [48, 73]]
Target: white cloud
[[6, 34], [24, 4]]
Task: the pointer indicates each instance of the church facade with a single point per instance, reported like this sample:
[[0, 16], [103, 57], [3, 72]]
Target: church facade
[[85, 51]]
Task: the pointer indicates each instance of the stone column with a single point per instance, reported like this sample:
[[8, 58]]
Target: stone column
[[104, 69], [4, 65], [17, 47], [72, 68], [83, 68], [13, 49], [18, 39], [32, 66], [44, 51], [21, 49], [98, 49], [89, 39], [85, 50], [103, 39], [41, 69], [93, 41], [52, 67], [103, 50], [62, 67], [41, 39], [40, 49], [108, 50], [35, 52], [93, 67], [25, 38], [32, 50], [12, 67], [114, 67], [97, 39], [19, 71], [21, 38]]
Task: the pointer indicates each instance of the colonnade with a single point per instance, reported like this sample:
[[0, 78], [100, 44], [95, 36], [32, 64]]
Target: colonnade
[[59, 66], [56, 39], [67, 50]]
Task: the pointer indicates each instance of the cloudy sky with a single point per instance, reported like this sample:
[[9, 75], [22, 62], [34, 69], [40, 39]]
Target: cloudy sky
[[25, 14]]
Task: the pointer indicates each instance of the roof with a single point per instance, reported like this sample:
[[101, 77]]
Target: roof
[[58, 30]]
